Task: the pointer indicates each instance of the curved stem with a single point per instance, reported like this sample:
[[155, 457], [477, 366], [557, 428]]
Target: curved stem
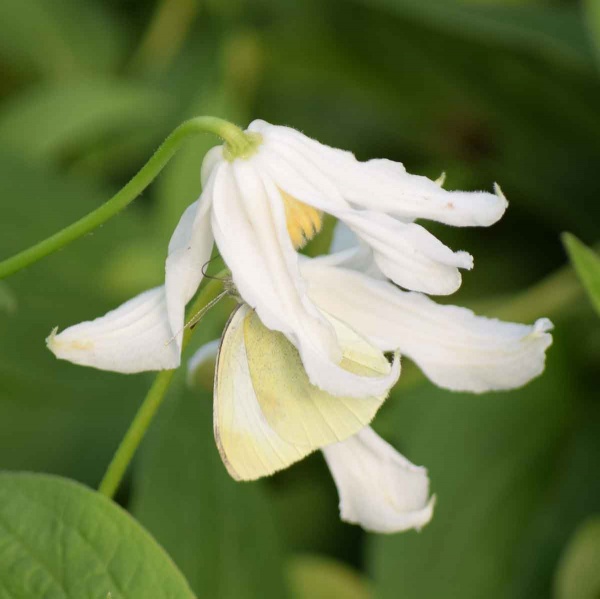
[[154, 398], [234, 137]]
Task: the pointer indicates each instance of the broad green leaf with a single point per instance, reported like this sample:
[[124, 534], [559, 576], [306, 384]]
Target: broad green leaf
[[59, 39], [63, 418], [61, 540], [587, 265], [51, 122], [317, 577], [222, 534], [490, 460], [578, 575]]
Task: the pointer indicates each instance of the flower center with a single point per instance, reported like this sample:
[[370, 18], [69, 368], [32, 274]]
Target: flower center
[[303, 222]]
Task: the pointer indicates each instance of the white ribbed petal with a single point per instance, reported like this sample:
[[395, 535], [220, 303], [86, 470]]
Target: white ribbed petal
[[189, 250], [408, 254], [132, 338], [405, 252], [384, 185], [252, 237], [250, 229], [379, 489], [455, 348], [211, 159]]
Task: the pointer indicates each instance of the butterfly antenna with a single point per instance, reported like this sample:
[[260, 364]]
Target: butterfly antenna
[[196, 318], [205, 266]]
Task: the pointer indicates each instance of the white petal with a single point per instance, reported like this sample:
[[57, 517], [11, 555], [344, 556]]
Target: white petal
[[338, 381], [343, 238], [405, 252], [455, 348], [189, 250], [378, 488], [348, 251], [211, 159], [250, 228], [384, 185], [252, 237], [132, 338], [205, 354], [408, 254]]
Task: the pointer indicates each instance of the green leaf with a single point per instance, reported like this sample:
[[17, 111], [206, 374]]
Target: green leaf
[[490, 460], [587, 265], [317, 577], [578, 575], [59, 539], [219, 532]]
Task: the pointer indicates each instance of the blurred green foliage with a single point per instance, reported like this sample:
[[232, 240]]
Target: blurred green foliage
[[486, 90]]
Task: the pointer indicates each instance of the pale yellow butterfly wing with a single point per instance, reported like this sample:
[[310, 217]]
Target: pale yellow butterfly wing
[[267, 415], [248, 446], [298, 411]]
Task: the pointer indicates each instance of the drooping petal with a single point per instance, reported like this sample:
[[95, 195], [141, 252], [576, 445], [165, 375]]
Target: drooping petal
[[405, 252], [211, 159], [252, 237], [249, 224], [384, 185], [408, 254], [378, 488], [134, 337], [189, 250], [455, 348]]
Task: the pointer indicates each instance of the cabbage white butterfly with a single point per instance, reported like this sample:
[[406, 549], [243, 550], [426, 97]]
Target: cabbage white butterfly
[[267, 414]]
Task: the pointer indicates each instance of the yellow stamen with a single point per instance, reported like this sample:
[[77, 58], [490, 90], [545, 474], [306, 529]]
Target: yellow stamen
[[303, 222]]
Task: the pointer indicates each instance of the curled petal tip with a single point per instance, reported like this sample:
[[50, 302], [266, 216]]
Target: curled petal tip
[[542, 325], [465, 260], [441, 179], [51, 336], [427, 513], [498, 191]]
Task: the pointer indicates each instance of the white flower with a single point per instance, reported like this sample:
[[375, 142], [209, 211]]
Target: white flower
[[379, 489], [344, 308], [260, 208]]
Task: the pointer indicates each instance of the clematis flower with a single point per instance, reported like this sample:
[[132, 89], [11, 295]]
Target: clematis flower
[[379, 488], [260, 208], [338, 314]]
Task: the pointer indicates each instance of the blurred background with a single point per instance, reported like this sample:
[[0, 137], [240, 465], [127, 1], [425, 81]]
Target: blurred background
[[486, 90]]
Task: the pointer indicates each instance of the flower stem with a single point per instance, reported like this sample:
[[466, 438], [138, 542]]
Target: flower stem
[[234, 137], [154, 398]]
